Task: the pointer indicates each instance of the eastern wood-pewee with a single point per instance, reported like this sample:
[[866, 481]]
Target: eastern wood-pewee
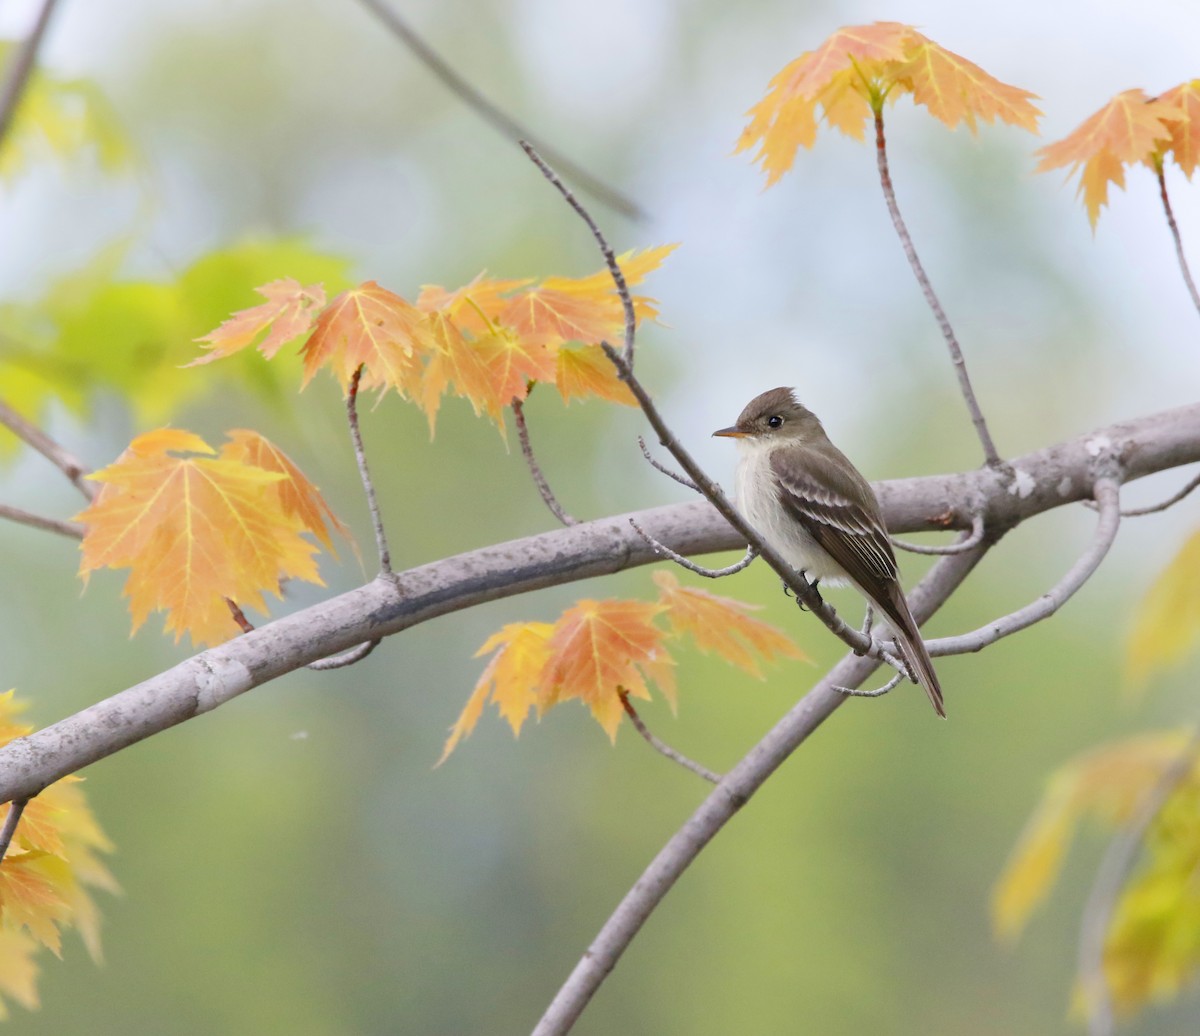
[[805, 498]]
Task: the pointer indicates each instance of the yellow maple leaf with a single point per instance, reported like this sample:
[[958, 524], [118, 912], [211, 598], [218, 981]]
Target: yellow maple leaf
[[850, 76], [1129, 129], [1181, 116], [193, 529], [723, 625], [1166, 625], [1108, 783], [584, 370], [287, 314], [453, 364], [510, 679], [51, 863], [297, 495], [18, 970], [372, 327], [957, 90]]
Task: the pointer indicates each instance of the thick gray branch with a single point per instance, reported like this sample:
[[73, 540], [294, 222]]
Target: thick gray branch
[[1039, 481]]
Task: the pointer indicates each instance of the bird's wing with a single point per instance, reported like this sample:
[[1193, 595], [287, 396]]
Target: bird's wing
[[845, 523]]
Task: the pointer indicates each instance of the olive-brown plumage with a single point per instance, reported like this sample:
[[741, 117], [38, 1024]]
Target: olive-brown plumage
[[810, 503]]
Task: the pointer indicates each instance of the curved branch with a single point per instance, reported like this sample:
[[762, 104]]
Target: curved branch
[[491, 114], [1051, 477], [975, 537], [1108, 498]]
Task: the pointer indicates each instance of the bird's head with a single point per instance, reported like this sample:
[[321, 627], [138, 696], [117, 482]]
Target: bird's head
[[773, 418]]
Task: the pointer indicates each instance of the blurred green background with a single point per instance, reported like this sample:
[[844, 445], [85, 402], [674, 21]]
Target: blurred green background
[[292, 862]]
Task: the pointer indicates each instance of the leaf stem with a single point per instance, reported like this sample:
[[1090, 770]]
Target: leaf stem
[[539, 479], [662, 747], [15, 809], [1174, 227], [385, 557], [910, 253]]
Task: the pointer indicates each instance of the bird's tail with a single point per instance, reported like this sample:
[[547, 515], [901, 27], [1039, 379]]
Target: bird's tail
[[908, 637]]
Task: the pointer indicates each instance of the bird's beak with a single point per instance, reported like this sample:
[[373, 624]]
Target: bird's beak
[[732, 432]]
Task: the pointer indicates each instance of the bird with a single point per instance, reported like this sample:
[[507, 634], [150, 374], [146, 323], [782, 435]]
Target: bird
[[807, 500]]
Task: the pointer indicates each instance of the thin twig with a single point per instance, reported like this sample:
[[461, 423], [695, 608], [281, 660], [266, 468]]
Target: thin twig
[[16, 514], [20, 68], [683, 480], [355, 654], [1183, 263], [1108, 496], [613, 268], [65, 461], [879, 692], [1137, 512], [239, 616], [662, 746], [1111, 877], [539, 479], [491, 114], [910, 252], [385, 557], [957, 547], [15, 809], [349, 657], [709, 573]]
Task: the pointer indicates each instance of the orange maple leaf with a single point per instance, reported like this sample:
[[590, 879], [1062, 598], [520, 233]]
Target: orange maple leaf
[[510, 363], [288, 313], [474, 307], [957, 90], [193, 529], [585, 371], [453, 363], [597, 649], [852, 74], [510, 679], [370, 326], [1131, 128], [297, 495], [1181, 115], [723, 625]]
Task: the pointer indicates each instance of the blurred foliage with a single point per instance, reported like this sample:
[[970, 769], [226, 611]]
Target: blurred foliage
[[293, 862]]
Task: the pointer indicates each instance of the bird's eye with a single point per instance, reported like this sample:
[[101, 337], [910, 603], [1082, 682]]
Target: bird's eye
[[774, 421]]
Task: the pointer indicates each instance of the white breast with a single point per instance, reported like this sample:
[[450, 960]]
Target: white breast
[[757, 497]]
